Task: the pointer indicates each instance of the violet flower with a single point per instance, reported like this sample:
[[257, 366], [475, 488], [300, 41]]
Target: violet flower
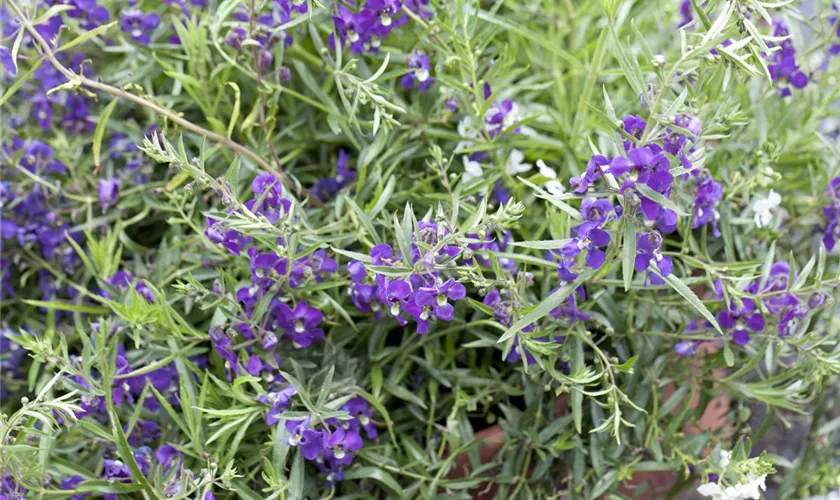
[[341, 444], [139, 25], [420, 72], [109, 192], [783, 67], [648, 248], [739, 321], [279, 401], [300, 324], [310, 442]]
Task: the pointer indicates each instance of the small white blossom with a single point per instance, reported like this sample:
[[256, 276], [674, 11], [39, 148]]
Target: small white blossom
[[515, 164], [724, 458], [546, 171], [750, 490], [472, 169], [764, 208], [555, 187]]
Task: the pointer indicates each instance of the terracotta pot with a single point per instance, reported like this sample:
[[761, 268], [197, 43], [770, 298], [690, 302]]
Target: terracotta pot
[[642, 484]]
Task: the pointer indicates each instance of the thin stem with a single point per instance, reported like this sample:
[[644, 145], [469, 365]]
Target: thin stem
[[171, 115]]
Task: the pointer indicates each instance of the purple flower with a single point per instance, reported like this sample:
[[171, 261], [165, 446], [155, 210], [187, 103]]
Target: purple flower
[[139, 25], [648, 248], [595, 169], [500, 115], [590, 236], [687, 13], [70, 483], [7, 61], [396, 292], [224, 348], [236, 36], [341, 445], [741, 320], [9, 489], [166, 456], [435, 299], [109, 192], [231, 239], [310, 442], [300, 324], [569, 308], [362, 415], [689, 347], [831, 214], [783, 67], [279, 401], [420, 69], [327, 188]]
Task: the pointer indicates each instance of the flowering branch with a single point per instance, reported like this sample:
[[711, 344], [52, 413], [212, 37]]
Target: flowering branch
[[81, 80]]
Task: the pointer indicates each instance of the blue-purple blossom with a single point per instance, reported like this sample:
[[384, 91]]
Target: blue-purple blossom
[[70, 483], [739, 321], [310, 442], [649, 253], [7, 61], [340, 445], [419, 72], [301, 324], [278, 400], [139, 25], [590, 237], [831, 214], [108, 191], [783, 67], [326, 189]]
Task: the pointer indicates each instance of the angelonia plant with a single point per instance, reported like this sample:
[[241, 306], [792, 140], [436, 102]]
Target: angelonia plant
[[419, 248]]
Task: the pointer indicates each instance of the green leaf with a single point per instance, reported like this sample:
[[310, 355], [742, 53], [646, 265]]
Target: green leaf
[[629, 64], [728, 355], [629, 252], [99, 133], [627, 365], [20, 81], [296, 478], [87, 35], [404, 394], [540, 244], [378, 475], [541, 40], [546, 306], [66, 306], [363, 219], [689, 295], [647, 192]]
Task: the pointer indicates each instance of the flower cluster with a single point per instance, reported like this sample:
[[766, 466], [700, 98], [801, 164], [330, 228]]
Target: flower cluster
[[332, 445], [326, 188], [423, 295], [831, 213], [364, 30], [743, 317], [646, 178], [259, 32], [783, 67]]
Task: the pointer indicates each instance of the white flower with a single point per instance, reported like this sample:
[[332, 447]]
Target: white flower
[[546, 171], [724, 458], [555, 187], [709, 490], [472, 169], [764, 207], [750, 490], [514, 163]]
